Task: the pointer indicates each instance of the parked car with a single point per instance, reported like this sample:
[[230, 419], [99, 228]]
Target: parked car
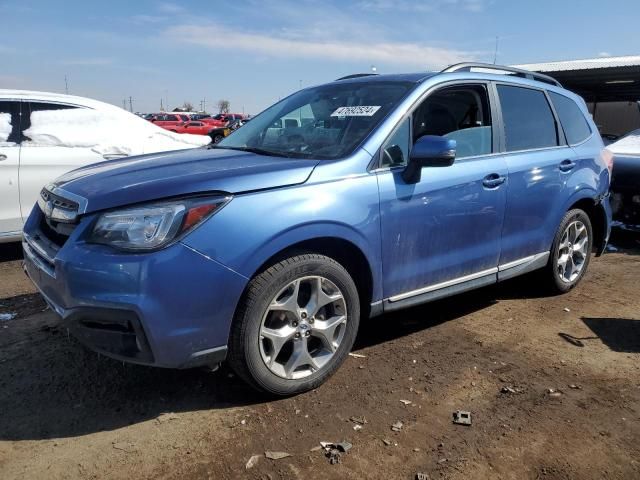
[[269, 248], [43, 135], [222, 119], [218, 133], [196, 128], [169, 120], [625, 185]]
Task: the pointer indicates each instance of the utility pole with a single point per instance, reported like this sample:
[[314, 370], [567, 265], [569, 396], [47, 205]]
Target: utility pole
[[204, 104], [66, 85], [161, 106], [124, 103], [130, 104], [495, 53]]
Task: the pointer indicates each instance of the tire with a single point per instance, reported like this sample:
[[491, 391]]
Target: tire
[[217, 138], [557, 273], [280, 367]]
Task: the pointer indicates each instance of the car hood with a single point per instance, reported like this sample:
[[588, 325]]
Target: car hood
[[169, 174]]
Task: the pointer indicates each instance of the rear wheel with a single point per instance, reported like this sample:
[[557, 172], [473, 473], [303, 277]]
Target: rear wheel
[[571, 251], [295, 325], [217, 138]]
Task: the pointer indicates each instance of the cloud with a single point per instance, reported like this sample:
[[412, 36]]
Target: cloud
[[216, 37], [168, 7], [143, 18], [87, 62], [422, 6]]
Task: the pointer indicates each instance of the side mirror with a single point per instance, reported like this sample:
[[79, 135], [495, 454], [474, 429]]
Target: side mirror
[[429, 151]]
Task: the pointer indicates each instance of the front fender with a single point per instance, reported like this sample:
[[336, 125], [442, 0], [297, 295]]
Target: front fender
[[254, 227]]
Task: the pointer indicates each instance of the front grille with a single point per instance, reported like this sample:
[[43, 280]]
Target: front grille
[[58, 201], [58, 219]]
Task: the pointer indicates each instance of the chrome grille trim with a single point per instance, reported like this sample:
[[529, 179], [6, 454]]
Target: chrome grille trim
[[57, 208]]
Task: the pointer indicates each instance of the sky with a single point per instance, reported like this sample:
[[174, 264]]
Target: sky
[[253, 52]]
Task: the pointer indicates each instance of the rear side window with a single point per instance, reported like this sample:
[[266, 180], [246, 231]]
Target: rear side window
[[575, 126], [28, 108], [528, 120], [9, 121]]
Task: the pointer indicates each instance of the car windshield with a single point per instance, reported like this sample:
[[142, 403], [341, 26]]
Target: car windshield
[[324, 122]]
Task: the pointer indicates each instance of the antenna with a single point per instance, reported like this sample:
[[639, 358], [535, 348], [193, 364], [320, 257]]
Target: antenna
[[130, 104], [66, 85], [495, 53]]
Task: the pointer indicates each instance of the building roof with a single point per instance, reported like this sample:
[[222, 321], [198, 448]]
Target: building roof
[[586, 64], [596, 79]]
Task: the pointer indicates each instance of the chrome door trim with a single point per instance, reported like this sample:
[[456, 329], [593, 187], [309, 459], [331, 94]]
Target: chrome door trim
[[522, 261], [467, 278], [438, 286]]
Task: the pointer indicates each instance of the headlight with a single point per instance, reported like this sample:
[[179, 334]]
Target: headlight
[[153, 226]]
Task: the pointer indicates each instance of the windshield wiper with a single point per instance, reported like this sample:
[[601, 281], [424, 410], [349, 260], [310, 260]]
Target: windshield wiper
[[258, 151]]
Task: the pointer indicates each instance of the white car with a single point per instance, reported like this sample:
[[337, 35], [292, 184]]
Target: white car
[[43, 135]]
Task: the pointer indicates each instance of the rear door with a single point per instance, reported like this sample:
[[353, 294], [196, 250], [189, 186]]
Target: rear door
[[41, 162], [10, 219], [536, 154]]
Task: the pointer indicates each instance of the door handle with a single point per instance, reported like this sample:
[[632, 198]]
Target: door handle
[[493, 180], [567, 165], [2, 157]]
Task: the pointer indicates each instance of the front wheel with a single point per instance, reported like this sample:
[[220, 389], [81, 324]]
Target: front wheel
[[295, 325], [571, 251]]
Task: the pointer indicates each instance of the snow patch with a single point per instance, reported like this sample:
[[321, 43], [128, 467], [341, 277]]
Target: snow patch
[[105, 132], [5, 317], [5, 126]]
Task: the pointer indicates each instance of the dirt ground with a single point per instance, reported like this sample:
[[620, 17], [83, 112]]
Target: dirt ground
[[552, 383]]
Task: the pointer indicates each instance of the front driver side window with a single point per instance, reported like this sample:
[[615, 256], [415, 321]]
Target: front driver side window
[[395, 151], [460, 113]]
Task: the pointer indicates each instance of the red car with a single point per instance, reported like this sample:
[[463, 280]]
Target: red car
[[169, 120], [196, 128]]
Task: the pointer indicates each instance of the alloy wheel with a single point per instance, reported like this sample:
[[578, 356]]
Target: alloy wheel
[[572, 251], [303, 327]]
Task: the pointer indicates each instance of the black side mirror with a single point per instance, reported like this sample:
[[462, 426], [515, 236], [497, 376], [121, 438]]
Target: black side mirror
[[429, 151]]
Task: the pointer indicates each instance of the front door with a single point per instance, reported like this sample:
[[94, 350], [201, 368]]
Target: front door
[[10, 219], [446, 228]]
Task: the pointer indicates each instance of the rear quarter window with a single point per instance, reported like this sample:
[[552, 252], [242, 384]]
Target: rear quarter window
[[575, 126]]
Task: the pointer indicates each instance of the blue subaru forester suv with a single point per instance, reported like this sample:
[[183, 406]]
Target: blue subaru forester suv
[[343, 201]]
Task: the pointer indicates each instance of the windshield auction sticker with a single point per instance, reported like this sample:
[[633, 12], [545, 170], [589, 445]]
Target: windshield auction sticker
[[360, 111]]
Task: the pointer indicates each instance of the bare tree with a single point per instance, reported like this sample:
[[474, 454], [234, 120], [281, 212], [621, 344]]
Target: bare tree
[[224, 106], [187, 106]]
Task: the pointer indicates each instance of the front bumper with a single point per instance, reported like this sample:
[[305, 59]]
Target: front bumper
[[170, 308]]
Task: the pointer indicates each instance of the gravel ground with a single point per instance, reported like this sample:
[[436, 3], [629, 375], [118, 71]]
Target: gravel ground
[[552, 384]]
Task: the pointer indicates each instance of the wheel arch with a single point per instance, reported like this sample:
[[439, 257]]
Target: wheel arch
[[592, 206], [343, 251]]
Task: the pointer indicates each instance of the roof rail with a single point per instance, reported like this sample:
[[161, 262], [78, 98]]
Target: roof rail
[[355, 75], [467, 66]]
